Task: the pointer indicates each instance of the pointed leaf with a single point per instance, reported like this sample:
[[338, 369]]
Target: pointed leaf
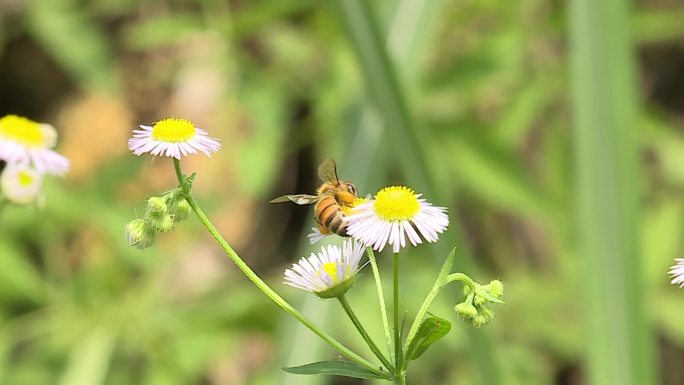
[[335, 368], [430, 331]]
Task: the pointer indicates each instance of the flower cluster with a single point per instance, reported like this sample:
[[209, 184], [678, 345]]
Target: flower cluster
[[27, 155], [395, 217], [161, 215], [474, 308]]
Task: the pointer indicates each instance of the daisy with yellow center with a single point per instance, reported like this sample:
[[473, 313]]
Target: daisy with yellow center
[[25, 142], [20, 184], [172, 137], [395, 214], [329, 273]]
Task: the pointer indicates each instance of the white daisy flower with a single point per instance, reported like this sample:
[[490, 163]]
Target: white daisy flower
[[25, 142], [677, 272], [172, 137], [329, 273], [20, 184], [396, 213]]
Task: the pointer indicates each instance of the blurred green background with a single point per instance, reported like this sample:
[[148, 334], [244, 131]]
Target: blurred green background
[[469, 101]]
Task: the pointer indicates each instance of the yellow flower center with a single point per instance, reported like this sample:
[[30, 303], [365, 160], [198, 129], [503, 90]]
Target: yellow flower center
[[331, 269], [25, 178], [173, 130], [22, 130], [396, 203]]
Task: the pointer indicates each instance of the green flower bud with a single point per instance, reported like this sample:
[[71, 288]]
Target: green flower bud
[[181, 210], [485, 312], [496, 288], [479, 300], [139, 233], [466, 310], [480, 321], [156, 206], [162, 223]]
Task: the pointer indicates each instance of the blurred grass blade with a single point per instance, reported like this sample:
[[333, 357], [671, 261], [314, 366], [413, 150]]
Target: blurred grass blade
[[382, 82], [607, 153], [381, 79], [75, 41], [89, 360]]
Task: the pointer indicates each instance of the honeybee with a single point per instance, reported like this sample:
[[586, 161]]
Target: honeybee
[[331, 198]]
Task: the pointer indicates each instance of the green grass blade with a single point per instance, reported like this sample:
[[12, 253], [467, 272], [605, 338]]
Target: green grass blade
[[619, 342]]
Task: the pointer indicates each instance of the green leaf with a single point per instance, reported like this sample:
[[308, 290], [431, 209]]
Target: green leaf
[[430, 331], [334, 368]]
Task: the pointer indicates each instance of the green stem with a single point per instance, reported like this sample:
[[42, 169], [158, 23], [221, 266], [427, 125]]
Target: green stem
[[270, 293], [421, 312], [460, 277], [398, 355], [378, 353], [381, 299]]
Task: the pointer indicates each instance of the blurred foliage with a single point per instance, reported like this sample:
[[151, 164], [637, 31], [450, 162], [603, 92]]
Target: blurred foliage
[[486, 83]]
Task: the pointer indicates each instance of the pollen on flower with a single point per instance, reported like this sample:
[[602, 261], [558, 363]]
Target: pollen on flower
[[173, 130], [396, 203], [22, 130]]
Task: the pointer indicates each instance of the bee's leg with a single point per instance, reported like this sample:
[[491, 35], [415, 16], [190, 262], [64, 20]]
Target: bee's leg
[[345, 198], [322, 229]]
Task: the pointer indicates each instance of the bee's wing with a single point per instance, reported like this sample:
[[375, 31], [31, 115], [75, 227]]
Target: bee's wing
[[300, 199], [327, 171]]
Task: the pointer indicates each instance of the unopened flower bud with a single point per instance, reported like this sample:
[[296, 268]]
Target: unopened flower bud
[[480, 321], [156, 206], [181, 210], [496, 288], [162, 223], [139, 233], [466, 310], [479, 300]]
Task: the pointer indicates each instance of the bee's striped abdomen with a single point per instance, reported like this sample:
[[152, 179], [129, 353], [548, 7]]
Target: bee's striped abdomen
[[330, 215]]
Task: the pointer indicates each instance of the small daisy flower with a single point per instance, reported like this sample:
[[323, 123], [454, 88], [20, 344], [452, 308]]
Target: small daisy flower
[[677, 272], [396, 213], [23, 141], [329, 273], [172, 137], [20, 184]]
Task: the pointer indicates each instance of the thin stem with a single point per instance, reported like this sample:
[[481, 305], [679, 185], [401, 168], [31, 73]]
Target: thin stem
[[421, 312], [381, 299], [460, 277], [378, 353], [270, 293], [440, 282], [398, 355]]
